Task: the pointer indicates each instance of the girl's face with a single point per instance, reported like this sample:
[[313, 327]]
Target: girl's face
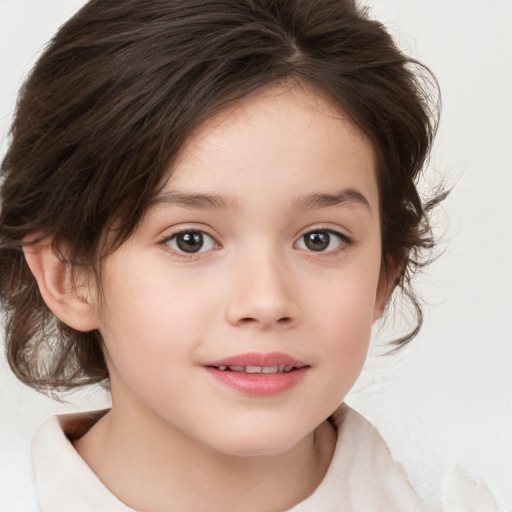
[[239, 313]]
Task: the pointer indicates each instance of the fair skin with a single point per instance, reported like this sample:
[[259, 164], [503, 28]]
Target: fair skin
[[266, 239]]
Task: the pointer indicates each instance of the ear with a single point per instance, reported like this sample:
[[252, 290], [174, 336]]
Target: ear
[[385, 287], [71, 300]]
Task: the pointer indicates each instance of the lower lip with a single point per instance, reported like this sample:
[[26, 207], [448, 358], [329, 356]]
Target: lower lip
[[259, 384]]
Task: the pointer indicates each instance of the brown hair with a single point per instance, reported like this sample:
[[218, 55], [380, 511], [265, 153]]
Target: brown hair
[[120, 88]]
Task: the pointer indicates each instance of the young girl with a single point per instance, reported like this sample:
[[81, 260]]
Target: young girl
[[206, 205]]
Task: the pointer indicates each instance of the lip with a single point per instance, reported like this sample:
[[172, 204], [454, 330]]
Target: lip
[[258, 359], [258, 384]]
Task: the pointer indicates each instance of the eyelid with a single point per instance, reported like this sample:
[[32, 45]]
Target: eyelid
[[346, 240], [164, 242]]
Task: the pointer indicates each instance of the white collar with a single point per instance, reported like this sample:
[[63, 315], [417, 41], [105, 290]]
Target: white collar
[[362, 475], [63, 479]]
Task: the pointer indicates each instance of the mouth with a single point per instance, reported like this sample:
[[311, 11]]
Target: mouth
[[255, 362], [258, 374], [253, 369]]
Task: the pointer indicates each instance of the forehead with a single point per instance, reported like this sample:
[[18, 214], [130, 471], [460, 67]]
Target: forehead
[[282, 142]]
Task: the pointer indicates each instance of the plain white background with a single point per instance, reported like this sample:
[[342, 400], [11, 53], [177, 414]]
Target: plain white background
[[447, 399]]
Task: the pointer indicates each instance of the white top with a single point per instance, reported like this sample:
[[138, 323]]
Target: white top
[[362, 476]]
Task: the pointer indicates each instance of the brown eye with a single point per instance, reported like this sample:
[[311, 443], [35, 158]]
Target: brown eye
[[322, 240], [317, 241], [191, 242]]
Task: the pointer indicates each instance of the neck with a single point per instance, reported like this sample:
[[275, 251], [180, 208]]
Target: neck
[[147, 465]]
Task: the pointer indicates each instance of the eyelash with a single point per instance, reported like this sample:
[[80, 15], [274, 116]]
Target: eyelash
[[182, 254], [344, 242]]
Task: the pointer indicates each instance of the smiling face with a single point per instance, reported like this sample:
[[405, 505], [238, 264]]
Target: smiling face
[[239, 313]]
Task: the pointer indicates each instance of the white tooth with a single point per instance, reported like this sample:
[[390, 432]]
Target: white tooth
[[287, 368], [236, 368], [270, 369], [253, 369], [281, 367], [222, 367]]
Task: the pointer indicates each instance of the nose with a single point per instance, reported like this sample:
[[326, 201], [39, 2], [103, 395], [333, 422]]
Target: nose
[[262, 294]]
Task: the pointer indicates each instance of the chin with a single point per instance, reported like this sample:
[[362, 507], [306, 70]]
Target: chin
[[259, 443]]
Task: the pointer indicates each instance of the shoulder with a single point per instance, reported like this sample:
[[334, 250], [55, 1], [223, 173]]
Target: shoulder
[[362, 474], [63, 479], [360, 442], [17, 485], [376, 478]]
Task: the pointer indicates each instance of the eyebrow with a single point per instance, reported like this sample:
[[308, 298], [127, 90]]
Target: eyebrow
[[196, 200], [316, 201]]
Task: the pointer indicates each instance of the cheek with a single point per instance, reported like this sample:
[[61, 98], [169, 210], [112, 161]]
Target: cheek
[[154, 319], [347, 331], [344, 314], [347, 302]]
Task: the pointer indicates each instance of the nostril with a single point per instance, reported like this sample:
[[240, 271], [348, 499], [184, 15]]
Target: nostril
[[250, 320], [247, 320]]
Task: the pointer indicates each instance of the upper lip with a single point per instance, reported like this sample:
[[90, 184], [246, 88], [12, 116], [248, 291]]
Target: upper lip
[[258, 359]]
